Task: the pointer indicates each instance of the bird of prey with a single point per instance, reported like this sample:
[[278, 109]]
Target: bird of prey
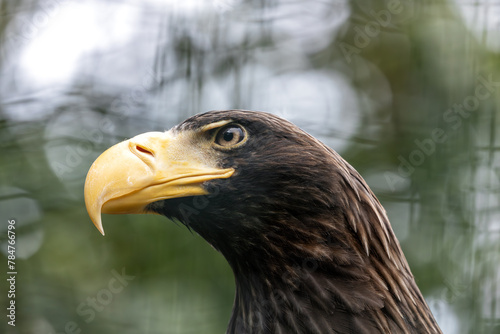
[[311, 247]]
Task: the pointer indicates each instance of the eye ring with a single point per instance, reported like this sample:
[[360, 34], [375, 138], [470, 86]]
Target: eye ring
[[230, 136]]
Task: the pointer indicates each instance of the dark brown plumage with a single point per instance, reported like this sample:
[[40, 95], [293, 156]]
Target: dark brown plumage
[[310, 245]]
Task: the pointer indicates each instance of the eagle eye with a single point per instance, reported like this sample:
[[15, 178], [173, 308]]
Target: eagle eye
[[230, 136]]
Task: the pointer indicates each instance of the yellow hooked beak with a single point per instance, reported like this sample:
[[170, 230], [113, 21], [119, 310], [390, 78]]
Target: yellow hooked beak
[[147, 168]]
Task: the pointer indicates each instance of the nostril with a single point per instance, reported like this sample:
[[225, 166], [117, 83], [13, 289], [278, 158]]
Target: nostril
[[144, 150]]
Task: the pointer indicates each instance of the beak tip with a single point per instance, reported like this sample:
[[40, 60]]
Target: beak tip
[[98, 225], [101, 231]]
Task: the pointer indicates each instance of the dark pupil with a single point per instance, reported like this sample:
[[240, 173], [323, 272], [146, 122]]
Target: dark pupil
[[228, 135]]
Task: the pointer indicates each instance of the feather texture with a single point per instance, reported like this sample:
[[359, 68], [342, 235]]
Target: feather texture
[[310, 245]]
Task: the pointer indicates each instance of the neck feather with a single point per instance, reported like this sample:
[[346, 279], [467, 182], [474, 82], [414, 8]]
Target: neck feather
[[332, 272]]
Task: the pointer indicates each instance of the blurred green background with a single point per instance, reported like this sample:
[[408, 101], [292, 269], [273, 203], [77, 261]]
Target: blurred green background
[[407, 91]]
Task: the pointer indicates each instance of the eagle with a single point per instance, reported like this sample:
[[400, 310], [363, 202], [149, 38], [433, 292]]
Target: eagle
[[310, 246]]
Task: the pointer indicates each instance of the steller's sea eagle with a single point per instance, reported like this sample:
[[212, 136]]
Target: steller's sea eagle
[[311, 247]]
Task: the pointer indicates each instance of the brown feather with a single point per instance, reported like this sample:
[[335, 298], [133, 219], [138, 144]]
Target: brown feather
[[310, 245]]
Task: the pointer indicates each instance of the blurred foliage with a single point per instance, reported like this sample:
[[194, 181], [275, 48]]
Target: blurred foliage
[[407, 91]]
